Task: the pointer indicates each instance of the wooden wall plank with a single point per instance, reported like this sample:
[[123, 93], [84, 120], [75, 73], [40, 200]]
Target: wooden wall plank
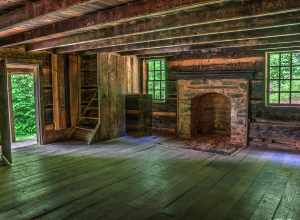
[[5, 136], [59, 114], [74, 77]]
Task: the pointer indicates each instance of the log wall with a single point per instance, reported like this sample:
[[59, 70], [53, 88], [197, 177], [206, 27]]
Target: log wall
[[272, 122]]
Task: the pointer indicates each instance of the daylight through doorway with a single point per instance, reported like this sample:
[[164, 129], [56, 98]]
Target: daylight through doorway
[[23, 110]]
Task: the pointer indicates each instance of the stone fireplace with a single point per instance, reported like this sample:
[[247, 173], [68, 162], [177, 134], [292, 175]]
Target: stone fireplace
[[210, 114], [213, 107]]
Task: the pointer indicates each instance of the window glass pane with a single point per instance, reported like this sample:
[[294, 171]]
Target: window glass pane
[[284, 98], [163, 64], [163, 94], [150, 92], [150, 85], [295, 98], [285, 85], [157, 85], [285, 59], [157, 65], [274, 59], [163, 75], [151, 75], [296, 58], [157, 75], [157, 95], [274, 98], [151, 65], [274, 85], [296, 86], [274, 72], [163, 85], [296, 72], [285, 73]]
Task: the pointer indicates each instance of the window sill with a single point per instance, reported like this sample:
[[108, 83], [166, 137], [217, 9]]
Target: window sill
[[283, 106]]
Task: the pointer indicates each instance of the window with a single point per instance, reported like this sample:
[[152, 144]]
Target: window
[[156, 84], [284, 78]]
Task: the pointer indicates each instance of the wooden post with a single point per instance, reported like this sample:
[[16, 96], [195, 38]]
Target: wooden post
[[5, 137], [74, 81], [58, 92], [11, 112], [40, 104]]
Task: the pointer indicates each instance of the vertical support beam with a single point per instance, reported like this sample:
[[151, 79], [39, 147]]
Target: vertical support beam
[[5, 137], [133, 78], [74, 82], [59, 113], [145, 77], [136, 75], [117, 76], [11, 112], [39, 104]]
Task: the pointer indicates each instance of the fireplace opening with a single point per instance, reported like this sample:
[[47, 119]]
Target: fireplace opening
[[211, 116]]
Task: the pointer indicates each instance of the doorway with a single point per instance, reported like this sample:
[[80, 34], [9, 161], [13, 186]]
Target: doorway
[[7, 120], [22, 109]]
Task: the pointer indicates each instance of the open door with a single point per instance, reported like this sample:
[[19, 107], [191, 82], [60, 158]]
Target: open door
[[5, 137]]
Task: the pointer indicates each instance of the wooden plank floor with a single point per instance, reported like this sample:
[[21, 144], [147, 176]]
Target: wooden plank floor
[[148, 178]]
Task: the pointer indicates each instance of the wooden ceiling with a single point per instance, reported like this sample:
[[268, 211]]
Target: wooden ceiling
[[8, 4], [21, 16], [151, 27]]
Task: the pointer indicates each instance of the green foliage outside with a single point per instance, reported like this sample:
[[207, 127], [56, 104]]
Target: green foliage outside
[[157, 69], [23, 106], [284, 75]]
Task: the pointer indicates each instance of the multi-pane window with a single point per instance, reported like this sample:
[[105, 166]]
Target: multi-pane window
[[156, 83], [284, 78]]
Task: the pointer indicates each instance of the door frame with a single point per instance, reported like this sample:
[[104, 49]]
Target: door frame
[[34, 70], [4, 116]]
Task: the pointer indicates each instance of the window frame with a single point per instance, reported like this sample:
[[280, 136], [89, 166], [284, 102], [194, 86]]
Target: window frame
[[154, 80], [279, 79]]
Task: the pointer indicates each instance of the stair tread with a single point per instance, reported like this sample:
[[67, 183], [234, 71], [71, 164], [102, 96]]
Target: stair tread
[[84, 128], [89, 117]]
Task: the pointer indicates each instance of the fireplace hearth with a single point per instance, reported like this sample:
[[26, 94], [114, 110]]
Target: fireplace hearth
[[213, 113]]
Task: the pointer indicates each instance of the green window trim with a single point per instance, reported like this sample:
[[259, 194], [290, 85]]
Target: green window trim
[[283, 79], [156, 79]]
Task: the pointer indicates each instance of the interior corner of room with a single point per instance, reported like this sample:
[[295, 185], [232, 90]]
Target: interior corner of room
[[149, 109]]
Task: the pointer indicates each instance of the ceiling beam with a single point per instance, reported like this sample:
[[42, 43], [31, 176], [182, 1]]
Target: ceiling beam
[[123, 13], [5, 4], [172, 26], [268, 34], [189, 50], [263, 22], [42, 12], [280, 47]]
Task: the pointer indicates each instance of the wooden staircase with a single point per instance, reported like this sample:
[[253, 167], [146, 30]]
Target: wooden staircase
[[88, 122]]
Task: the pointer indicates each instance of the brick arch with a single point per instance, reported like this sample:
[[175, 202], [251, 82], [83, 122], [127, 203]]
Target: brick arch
[[210, 114]]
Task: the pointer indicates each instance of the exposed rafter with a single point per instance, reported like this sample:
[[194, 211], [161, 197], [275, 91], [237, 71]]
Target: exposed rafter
[[173, 26], [267, 34], [137, 27], [123, 13], [34, 14], [222, 28], [189, 50], [7, 4]]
